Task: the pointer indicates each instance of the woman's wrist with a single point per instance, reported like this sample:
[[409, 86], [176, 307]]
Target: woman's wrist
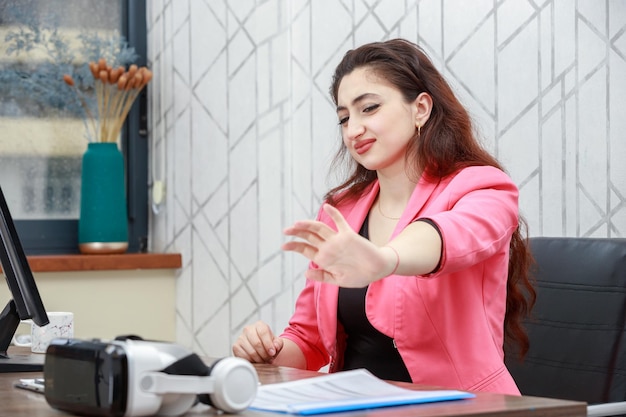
[[392, 259]]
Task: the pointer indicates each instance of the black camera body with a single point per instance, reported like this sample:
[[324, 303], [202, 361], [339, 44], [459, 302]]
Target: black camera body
[[140, 378]]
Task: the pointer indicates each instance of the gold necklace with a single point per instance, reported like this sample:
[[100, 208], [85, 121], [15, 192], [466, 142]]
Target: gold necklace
[[384, 215]]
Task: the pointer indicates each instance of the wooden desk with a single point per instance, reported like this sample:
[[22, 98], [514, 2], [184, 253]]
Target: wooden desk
[[16, 402]]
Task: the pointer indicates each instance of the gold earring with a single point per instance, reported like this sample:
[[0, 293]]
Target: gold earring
[[419, 130]]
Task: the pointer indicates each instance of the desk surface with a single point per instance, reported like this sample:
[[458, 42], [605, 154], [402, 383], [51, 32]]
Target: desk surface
[[16, 402]]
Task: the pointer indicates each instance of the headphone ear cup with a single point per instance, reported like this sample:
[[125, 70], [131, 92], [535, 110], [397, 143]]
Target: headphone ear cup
[[206, 398], [235, 383]]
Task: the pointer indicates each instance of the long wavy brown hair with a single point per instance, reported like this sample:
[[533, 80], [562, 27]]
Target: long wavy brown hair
[[445, 145]]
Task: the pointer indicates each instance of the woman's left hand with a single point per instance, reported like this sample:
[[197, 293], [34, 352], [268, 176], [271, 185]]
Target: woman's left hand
[[343, 257]]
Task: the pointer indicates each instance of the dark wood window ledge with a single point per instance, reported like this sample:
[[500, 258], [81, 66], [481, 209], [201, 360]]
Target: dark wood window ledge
[[59, 263]]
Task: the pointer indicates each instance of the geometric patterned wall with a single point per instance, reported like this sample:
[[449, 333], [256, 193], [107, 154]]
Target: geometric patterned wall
[[243, 130]]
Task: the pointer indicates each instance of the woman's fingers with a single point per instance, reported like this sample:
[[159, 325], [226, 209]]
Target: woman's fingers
[[341, 257], [340, 222], [305, 234], [257, 344], [244, 349], [302, 248], [316, 232], [302, 228]]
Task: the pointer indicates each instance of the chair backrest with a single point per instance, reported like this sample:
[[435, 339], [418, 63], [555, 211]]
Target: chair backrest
[[577, 329]]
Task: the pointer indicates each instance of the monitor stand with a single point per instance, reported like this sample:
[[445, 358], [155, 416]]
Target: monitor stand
[[21, 362], [20, 359]]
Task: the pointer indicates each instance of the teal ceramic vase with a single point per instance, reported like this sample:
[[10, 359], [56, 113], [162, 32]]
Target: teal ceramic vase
[[103, 224]]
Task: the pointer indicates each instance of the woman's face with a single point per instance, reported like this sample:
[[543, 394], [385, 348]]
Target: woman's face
[[376, 121]]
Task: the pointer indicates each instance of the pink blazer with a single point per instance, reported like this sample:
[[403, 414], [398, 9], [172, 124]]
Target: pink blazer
[[448, 326]]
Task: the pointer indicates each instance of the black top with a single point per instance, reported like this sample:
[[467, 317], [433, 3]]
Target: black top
[[366, 347]]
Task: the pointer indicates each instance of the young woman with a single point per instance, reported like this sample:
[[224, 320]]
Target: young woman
[[418, 264]]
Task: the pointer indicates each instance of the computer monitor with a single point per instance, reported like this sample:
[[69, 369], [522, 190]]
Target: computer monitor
[[25, 303]]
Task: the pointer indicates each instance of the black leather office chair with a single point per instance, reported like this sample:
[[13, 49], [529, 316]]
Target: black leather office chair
[[577, 332]]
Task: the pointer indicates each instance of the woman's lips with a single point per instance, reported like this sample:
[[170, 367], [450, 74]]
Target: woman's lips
[[363, 146]]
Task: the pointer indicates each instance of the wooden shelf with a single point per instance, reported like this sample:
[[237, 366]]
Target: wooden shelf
[[58, 263]]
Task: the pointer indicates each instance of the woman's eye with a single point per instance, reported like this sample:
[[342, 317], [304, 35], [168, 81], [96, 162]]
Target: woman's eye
[[371, 108], [343, 120]]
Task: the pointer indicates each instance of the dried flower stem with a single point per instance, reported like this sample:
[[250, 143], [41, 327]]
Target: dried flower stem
[[70, 81], [116, 91]]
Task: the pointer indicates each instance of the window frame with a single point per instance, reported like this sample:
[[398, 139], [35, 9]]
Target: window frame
[[60, 236]]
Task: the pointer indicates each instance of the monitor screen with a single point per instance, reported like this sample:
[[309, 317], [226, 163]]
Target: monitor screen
[[26, 302]]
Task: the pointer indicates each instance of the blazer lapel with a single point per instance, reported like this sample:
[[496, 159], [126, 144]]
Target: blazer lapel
[[420, 196], [361, 208]]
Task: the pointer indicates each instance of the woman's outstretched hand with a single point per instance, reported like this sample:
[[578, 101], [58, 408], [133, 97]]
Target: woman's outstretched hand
[[343, 257]]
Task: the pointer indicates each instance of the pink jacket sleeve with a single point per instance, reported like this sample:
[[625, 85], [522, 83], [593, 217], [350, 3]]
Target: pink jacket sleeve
[[476, 214], [303, 327]]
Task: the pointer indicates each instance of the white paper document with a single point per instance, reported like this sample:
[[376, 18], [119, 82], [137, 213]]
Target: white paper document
[[343, 391]]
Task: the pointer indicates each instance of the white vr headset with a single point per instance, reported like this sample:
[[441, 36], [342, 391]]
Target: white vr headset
[[139, 378]]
